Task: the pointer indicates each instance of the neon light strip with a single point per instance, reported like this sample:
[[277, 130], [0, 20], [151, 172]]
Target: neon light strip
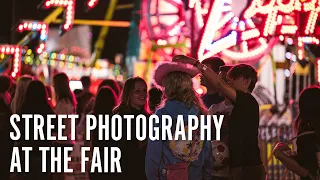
[[41, 27], [252, 53], [225, 19], [92, 3], [69, 12], [210, 27], [308, 40], [318, 70], [252, 33], [221, 44], [198, 12], [288, 29], [286, 8], [16, 52]]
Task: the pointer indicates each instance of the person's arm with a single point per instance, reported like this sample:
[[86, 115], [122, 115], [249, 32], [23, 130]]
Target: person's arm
[[210, 75], [289, 162]]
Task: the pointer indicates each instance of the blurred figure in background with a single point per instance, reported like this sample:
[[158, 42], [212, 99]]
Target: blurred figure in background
[[107, 82], [133, 101], [84, 97], [5, 127], [212, 96], [36, 102], [12, 90], [155, 96], [20, 93], [224, 108], [112, 84], [104, 103], [305, 162]]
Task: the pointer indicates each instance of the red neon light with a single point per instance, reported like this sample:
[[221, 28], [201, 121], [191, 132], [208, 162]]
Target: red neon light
[[244, 30], [92, 3], [41, 27], [69, 12], [307, 12], [16, 52], [318, 63]]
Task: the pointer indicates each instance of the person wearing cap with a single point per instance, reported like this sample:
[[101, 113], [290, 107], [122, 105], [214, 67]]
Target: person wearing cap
[[224, 108], [175, 79], [245, 160], [212, 96]]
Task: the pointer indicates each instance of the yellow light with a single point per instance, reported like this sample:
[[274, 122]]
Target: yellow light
[[53, 55], [2, 56], [29, 52], [71, 58], [45, 54], [62, 57], [61, 64]]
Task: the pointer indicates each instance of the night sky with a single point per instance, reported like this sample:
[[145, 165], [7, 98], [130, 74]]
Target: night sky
[[14, 10]]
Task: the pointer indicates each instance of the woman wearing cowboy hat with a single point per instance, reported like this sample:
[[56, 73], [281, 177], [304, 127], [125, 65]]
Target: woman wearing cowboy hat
[[180, 98]]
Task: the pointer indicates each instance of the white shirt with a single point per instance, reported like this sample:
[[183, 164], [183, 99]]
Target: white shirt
[[221, 108], [65, 107]]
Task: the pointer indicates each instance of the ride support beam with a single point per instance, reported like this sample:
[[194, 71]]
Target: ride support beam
[[98, 48], [123, 24]]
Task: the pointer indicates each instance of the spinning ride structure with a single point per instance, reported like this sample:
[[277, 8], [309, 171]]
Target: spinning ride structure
[[241, 31]]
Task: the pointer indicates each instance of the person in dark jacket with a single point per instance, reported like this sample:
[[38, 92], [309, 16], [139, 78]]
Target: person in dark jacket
[[5, 113], [133, 101]]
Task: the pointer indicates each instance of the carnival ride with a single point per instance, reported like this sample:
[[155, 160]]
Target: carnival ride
[[238, 31], [12, 55]]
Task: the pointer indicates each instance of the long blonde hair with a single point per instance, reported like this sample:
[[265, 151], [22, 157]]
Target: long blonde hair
[[20, 93], [178, 86]]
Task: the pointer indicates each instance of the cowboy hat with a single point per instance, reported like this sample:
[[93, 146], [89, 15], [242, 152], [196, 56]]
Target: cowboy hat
[[163, 68]]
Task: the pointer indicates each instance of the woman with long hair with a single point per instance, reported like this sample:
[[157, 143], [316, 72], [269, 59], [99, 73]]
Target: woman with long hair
[[104, 103], [65, 104], [20, 93], [133, 97], [65, 99], [304, 163], [179, 99], [35, 102], [133, 101]]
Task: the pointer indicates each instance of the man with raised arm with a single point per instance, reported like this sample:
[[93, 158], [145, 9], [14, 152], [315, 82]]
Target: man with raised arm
[[245, 161]]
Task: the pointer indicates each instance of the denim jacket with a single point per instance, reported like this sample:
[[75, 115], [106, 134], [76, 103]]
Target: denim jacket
[[159, 154]]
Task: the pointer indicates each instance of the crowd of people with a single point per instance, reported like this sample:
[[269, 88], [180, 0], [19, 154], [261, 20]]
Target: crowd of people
[[228, 93]]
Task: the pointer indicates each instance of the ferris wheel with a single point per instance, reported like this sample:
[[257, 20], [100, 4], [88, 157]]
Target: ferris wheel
[[220, 29]]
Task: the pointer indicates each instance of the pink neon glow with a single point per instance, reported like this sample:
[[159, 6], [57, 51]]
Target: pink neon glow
[[27, 26], [318, 70], [217, 13], [69, 5], [92, 3], [16, 52]]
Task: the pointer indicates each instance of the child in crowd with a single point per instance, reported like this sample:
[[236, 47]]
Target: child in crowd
[[212, 96], [224, 108]]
